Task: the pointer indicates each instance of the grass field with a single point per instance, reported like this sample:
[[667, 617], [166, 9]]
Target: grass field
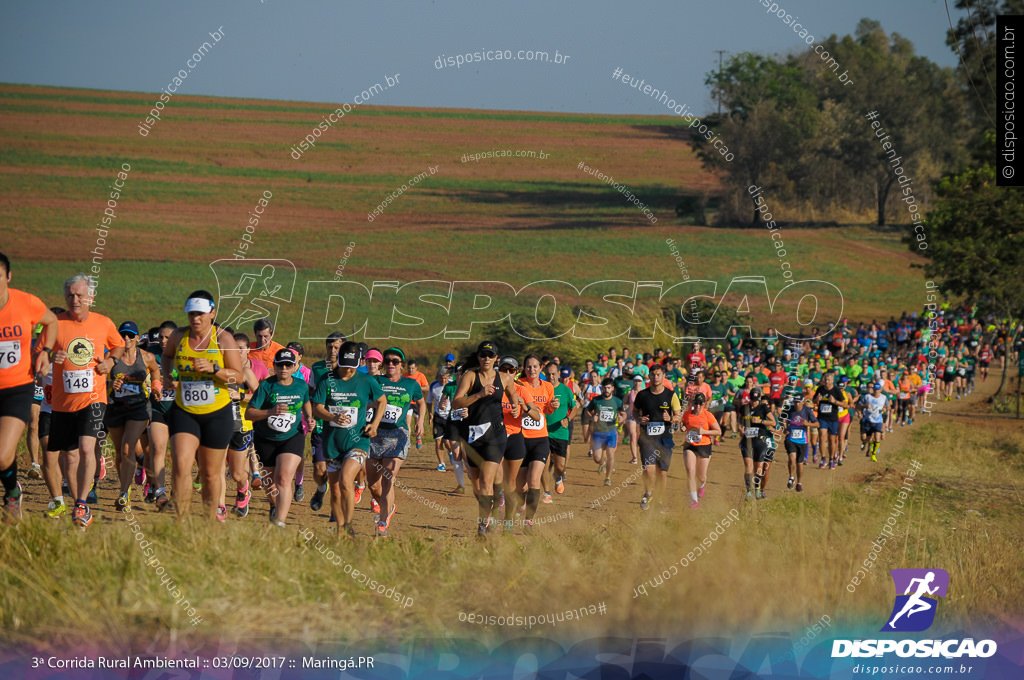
[[196, 176]]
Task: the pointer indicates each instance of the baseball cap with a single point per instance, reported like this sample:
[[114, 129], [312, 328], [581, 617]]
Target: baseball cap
[[786, 353], [198, 304], [638, 378], [792, 378], [128, 327], [374, 354], [843, 380], [285, 356], [449, 357], [877, 385], [699, 398], [565, 372], [755, 393], [508, 361], [348, 355], [487, 347], [397, 352]]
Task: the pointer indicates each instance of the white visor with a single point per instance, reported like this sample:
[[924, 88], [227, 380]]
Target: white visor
[[198, 305]]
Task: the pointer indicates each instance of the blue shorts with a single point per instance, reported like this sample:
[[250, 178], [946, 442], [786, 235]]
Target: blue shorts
[[604, 440], [869, 428], [830, 426]]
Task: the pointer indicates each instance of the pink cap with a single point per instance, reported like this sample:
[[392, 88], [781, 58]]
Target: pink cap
[[374, 354]]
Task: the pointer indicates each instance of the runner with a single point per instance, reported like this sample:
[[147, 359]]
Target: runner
[[241, 454], [135, 375], [414, 373], [482, 434], [264, 349], [277, 410], [452, 428], [606, 411], [800, 417], [541, 402], [201, 422], [159, 436], [656, 409], [80, 390], [341, 400], [984, 359], [699, 426], [764, 424], [306, 374], [20, 312], [591, 389], [318, 372], [438, 418], [631, 427], [829, 399], [558, 423], [515, 450], [872, 406], [390, 446]]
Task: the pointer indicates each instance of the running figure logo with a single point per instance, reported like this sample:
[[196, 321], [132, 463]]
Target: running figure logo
[[252, 289], [914, 610]]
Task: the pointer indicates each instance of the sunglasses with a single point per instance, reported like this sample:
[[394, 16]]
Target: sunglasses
[[486, 356], [129, 334], [393, 361], [506, 369]]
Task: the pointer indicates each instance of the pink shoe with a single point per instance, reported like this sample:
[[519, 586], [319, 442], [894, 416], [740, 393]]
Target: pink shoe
[[103, 468], [700, 491], [694, 504], [140, 476]]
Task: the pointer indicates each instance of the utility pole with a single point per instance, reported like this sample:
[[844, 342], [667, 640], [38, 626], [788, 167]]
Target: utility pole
[[720, 53]]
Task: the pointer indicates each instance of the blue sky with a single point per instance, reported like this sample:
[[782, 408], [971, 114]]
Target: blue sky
[[329, 50]]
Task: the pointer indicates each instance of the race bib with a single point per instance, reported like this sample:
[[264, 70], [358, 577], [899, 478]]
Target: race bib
[[127, 390], [607, 415], [281, 423], [654, 429], [693, 437], [369, 414], [349, 411], [750, 432], [39, 393], [197, 393], [798, 436], [443, 411], [391, 414], [168, 395], [78, 382], [531, 424], [10, 353], [961, 371], [478, 431], [904, 395], [458, 414], [824, 408]]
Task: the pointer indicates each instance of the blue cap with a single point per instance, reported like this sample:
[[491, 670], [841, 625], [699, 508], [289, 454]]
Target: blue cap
[[449, 357], [877, 385], [565, 372], [128, 327]]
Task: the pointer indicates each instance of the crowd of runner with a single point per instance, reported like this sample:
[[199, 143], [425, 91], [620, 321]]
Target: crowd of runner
[[236, 412]]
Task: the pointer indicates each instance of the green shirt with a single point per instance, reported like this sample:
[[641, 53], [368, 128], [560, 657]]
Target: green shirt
[[622, 387], [565, 402], [604, 411], [270, 393], [719, 395], [317, 372], [400, 395], [351, 396]]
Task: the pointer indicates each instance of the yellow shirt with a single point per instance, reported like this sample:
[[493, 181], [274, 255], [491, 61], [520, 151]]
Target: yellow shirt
[[197, 392]]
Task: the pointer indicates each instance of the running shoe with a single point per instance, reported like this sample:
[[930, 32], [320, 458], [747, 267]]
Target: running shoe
[[645, 502], [822, 464], [441, 468], [91, 498], [103, 468], [12, 504], [242, 503], [140, 476], [374, 506], [832, 465], [391, 513], [161, 500], [82, 516], [56, 510], [197, 483], [359, 494], [750, 496], [789, 484], [64, 488], [481, 526], [607, 481], [382, 530], [528, 527], [35, 472], [348, 532], [863, 445], [148, 493], [501, 500], [459, 489], [700, 491], [123, 501], [257, 481], [799, 486], [632, 461], [560, 485], [547, 498], [735, 436], [601, 468], [694, 505], [874, 458], [222, 513], [280, 525], [273, 513], [300, 493], [760, 495], [318, 500]]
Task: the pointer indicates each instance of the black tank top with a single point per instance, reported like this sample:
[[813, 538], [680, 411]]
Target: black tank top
[[487, 409], [136, 381]]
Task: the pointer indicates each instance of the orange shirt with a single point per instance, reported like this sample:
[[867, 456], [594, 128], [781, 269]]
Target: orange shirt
[[421, 379], [513, 425], [541, 396], [266, 355], [76, 384], [18, 318], [691, 422]]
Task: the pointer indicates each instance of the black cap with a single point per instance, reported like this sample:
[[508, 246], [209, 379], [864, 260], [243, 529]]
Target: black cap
[[699, 398], [285, 356], [349, 354], [755, 393], [487, 347]]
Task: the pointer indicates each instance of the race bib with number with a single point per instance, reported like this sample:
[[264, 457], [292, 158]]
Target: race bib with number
[[39, 393], [351, 412], [458, 414], [750, 432], [443, 411], [693, 437], [654, 429], [168, 395], [281, 423], [10, 353], [531, 424], [904, 395], [478, 431], [197, 393], [824, 408], [607, 415], [127, 390], [78, 382], [961, 371], [391, 414], [798, 436]]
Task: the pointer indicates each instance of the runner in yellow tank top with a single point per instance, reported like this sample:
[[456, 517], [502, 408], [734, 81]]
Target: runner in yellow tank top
[[201, 421]]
